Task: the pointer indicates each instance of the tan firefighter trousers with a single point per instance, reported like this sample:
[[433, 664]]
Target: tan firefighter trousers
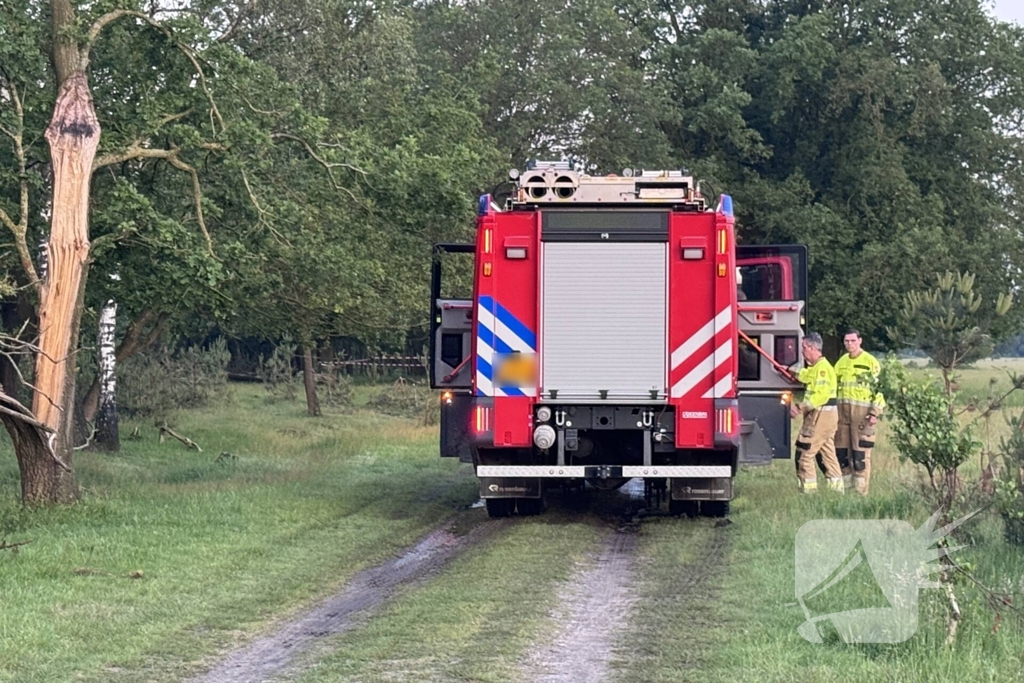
[[815, 443], [854, 440]]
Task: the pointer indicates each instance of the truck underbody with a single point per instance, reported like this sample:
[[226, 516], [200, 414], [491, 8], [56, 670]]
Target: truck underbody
[[603, 447]]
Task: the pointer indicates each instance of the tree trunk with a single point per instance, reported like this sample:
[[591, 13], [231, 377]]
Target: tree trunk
[[132, 343], [9, 381], [35, 461], [73, 134], [107, 437], [309, 380]]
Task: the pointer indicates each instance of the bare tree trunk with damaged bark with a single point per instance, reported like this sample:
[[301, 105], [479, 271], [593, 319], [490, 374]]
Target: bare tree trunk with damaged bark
[[74, 135], [309, 381]]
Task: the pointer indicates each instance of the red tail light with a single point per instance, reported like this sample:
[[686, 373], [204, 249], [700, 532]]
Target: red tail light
[[727, 421], [482, 419]]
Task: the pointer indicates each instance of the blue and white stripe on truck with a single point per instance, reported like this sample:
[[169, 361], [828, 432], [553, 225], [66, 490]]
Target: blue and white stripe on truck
[[499, 332]]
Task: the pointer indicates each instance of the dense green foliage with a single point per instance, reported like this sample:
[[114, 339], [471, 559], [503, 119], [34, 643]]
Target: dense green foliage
[[333, 141]]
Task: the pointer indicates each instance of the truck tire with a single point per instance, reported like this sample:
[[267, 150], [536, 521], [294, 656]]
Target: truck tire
[[714, 508], [682, 507], [530, 506], [500, 507]]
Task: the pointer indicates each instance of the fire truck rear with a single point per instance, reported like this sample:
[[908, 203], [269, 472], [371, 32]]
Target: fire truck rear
[[615, 331]]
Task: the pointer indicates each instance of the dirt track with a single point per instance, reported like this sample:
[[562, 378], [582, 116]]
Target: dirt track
[[592, 613], [274, 654], [596, 608], [595, 605]]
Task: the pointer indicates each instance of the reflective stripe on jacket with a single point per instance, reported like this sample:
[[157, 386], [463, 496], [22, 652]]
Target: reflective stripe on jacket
[[855, 376]]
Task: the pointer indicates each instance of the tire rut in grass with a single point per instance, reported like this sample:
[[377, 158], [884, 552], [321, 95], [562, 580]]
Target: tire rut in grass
[[593, 610], [274, 654], [690, 598]]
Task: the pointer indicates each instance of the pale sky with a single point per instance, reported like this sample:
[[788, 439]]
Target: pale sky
[[1009, 10]]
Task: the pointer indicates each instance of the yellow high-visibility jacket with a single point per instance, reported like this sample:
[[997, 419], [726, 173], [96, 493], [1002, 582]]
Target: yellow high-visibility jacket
[[855, 377], [820, 379]]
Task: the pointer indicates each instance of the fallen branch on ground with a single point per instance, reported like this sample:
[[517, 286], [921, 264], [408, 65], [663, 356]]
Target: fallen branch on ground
[[89, 571], [4, 545], [166, 431]]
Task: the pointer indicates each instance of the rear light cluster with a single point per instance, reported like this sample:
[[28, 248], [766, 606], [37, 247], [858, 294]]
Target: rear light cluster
[[482, 419], [727, 420]]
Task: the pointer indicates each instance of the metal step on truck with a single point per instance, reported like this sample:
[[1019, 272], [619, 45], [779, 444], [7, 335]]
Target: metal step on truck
[[615, 331]]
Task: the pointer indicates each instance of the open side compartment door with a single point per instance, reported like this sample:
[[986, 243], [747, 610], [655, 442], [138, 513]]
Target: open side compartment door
[[451, 328], [772, 286]]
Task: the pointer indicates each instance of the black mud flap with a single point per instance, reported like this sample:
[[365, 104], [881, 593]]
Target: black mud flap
[[510, 487], [710, 488], [456, 439], [764, 429], [755, 448]]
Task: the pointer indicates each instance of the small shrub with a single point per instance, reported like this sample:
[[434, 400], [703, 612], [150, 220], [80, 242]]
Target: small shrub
[[334, 387], [278, 374], [923, 426], [158, 382], [1010, 485], [408, 399]]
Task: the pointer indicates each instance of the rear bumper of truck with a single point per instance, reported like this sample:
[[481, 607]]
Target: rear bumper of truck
[[605, 471]]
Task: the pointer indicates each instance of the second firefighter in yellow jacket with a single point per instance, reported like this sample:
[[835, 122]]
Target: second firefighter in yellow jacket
[[859, 408], [816, 439]]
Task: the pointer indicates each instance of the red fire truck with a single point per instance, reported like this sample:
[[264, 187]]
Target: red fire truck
[[615, 331]]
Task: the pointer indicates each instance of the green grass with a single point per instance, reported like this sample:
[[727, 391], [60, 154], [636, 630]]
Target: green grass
[[474, 622], [988, 378], [227, 549], [744, 628], [222, 547]]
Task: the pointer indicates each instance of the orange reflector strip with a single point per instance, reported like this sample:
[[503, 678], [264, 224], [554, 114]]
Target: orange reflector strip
[[488, 239], [721, 270], [487, 269], [723, 241]]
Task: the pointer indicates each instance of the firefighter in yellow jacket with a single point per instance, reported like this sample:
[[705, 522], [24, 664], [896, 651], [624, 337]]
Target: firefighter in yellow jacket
[[859, 408], [818, 407]]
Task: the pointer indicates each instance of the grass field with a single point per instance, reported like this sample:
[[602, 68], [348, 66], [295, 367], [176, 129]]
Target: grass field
[[226, 547], [221, 546]]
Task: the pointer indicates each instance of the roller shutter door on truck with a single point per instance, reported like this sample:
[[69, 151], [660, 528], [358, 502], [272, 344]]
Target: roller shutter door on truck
[[603, 319]]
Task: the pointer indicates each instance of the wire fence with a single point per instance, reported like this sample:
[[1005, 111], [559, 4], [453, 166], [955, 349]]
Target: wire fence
[[377, 366]]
